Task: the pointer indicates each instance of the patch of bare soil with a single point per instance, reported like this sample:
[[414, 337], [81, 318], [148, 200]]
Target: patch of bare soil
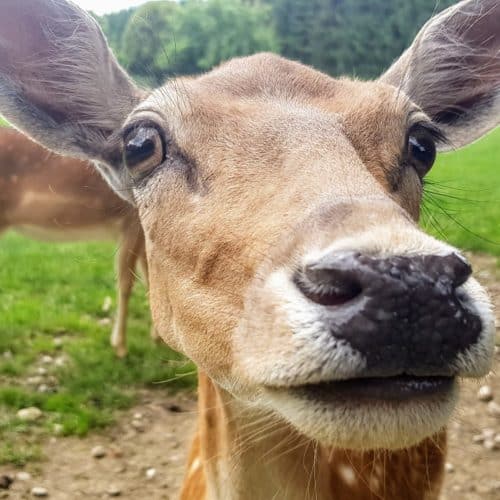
[[141, 457], [145, 452]]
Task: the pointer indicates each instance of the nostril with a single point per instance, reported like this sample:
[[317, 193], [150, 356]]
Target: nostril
[[328, 286]]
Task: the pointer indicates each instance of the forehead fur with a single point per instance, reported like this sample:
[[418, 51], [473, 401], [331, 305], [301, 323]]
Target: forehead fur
[[265, 77], [260, 105]]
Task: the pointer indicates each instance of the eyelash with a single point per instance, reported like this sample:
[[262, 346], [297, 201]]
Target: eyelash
[[437, 134]]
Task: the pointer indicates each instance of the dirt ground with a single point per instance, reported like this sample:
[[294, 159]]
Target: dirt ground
[[144, 453]]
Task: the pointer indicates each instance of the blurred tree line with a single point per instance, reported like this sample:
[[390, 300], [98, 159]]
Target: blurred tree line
[[355, 37]]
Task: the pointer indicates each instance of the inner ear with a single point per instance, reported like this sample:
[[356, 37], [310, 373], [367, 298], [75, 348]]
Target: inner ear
[[452, 70], [59, 81]]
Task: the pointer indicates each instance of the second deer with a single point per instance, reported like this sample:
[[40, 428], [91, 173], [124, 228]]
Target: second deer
[[51, 197]]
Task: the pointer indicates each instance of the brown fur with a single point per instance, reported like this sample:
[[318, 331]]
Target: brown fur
[[52, 197]]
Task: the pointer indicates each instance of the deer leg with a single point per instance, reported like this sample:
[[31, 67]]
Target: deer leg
[[128, 253]]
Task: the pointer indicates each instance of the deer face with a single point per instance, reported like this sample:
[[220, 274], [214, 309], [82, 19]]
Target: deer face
[[279, 207]]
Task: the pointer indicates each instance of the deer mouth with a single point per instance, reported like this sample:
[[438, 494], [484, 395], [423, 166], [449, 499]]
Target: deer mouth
[[395, 389], [391, 412]]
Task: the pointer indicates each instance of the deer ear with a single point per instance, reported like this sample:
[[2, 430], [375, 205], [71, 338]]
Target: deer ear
[[452, 70], [59, 81]]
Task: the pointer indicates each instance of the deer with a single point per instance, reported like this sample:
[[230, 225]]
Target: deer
[[280, 211], [51, 197]]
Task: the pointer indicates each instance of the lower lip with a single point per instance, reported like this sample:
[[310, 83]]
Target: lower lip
[[380, 389]]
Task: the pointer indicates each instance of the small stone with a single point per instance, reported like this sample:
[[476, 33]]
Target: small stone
[[46, 359], [137, 425], [36, 380], [98, 451], [60, 361], [43, 388], [449, 467], [138, 416], [478, 439], [5, 482], [107, 303], [485, 393], [490, 444], [38, 491], [7, 354], [494, 409], [58, 342], [23, 476], [41, 370], [150, 473], [489, 433], [29, 414], [58, 429], [114, 491]]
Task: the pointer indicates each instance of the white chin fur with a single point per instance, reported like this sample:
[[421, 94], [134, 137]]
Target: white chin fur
[[364, 427]]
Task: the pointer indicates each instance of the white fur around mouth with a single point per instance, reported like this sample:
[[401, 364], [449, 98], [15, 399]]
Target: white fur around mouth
[[352, 425]]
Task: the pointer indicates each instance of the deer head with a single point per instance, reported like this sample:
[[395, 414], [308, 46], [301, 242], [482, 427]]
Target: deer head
[[280, 207]]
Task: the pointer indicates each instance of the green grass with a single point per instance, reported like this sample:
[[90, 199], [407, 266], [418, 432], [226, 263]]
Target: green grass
[[463, 197], [50, 291], [3, 122]]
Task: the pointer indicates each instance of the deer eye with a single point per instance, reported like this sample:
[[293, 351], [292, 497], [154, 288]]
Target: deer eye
[[421, 151], [144, 150]]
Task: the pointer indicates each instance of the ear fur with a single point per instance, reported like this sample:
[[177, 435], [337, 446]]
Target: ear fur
[[452, 70], [59, 81]]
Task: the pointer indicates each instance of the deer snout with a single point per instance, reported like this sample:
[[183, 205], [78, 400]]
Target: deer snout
[[404, 314]]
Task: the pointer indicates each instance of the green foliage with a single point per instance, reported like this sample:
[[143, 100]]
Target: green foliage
[[354, 37], [3, 122], [146, 38], [167, 38], [358, 37], [55, 291], [462, 197], [217, 30]]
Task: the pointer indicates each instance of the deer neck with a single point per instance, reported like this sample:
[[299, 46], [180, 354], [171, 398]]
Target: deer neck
[[250, 455]]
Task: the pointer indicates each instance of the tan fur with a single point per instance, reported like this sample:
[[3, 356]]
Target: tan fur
[[47, 196], [269, 167]]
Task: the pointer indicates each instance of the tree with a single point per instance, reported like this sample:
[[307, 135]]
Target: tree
[[168, 38], [356, 37], [353, 37], [147, 35]]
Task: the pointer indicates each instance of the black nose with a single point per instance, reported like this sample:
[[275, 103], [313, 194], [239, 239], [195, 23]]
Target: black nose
[[404, 314]]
